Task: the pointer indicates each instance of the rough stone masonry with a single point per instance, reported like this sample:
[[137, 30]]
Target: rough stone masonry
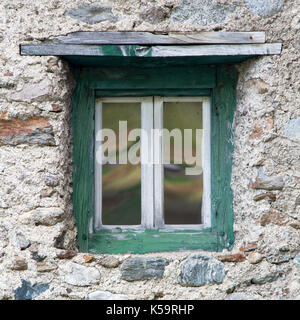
[[38, 255]]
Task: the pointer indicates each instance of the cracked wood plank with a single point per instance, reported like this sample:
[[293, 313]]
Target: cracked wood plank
[[151, 51], [148, 38]]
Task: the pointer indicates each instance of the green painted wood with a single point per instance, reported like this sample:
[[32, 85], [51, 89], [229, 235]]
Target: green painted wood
[[223, 107], [83, 160], [222, 86], [153, 92], [188, 77], [107, 241]]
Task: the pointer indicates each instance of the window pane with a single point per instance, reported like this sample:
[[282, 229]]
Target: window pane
[[182, 149], [121, 182]]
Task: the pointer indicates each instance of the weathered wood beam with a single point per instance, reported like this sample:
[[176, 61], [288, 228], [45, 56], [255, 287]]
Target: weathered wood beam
[[150, 51], [147, 38]]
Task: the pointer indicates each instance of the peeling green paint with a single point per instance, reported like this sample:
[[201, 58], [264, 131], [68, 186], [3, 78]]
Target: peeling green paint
[[107, 241], [223, 107], [220, 82], [83, 160]]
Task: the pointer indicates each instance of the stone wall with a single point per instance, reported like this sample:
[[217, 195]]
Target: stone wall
[[38, 257]]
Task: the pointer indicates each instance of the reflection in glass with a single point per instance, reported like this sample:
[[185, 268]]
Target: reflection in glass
[[182, 193], [121, 183]]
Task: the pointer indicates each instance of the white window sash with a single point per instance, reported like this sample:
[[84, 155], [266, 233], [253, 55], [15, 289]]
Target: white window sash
[[152, 176], [159, 168], [147, 176]]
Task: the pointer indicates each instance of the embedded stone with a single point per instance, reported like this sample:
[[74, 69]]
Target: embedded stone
[[198, 270], [46, 193], [257, 131], [264, 8], [51, 181], [34, 247], [18, 264], [266, 278], [3, 205], [292, 128], [43, 216], [267, 183], [105, 295], [155, 14], [272, 216], [22, 242], [65, 239], [27, 291], [82, 276], [201, 12], [268, 196], [295, 225], [89, 259], [297, 260], [56, 108], [7, 85], [66, 254], [140, 268], [235, 257], [35, 130], [249, 247], [297, 203], [279, 258], [255, 257], [3, 115], [36, 91], [257, 83], [41, 267], [109, 262], [93, 13], [35, 256]]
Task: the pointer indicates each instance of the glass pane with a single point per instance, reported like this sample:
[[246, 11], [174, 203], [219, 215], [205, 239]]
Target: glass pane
[[183, 187], [121, 181]]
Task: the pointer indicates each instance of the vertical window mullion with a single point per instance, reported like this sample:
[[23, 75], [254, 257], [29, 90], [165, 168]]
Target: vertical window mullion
[[158, 163], [98, 167], [206, 160], [147, 164]]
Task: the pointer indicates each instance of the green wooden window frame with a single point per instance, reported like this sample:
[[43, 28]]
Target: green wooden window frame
[[216, 81]]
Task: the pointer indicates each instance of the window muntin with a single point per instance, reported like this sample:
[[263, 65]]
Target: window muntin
[[153, 183]]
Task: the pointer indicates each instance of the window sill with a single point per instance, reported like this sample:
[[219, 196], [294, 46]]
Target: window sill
[[119, 241]]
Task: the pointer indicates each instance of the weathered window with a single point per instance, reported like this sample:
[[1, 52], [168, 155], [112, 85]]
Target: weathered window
[[146, 207], [163, 81]]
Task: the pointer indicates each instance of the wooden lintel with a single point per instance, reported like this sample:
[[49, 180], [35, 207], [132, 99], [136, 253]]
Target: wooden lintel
[[171, 38], [151, 51]]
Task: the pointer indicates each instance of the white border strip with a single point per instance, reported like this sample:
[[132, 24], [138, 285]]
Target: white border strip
[[147, 176]]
